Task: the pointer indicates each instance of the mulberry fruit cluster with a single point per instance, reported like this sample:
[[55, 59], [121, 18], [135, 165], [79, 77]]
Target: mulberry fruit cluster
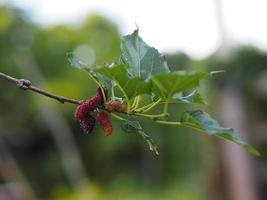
[[88, 106], [84, 112], [105, 122], [87, 124]]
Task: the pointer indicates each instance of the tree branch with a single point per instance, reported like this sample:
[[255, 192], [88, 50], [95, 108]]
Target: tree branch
[[27, 85]]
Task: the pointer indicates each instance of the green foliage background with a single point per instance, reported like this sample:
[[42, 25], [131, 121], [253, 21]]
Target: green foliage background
[[119, 167]]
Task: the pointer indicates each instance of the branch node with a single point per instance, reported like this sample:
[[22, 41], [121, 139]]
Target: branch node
[[23, 84]]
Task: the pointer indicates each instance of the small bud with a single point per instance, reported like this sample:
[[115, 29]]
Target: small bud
[[116, 106], [105, 122]]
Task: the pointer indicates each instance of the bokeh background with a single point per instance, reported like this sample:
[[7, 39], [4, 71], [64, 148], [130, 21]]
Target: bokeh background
[[45, 155]]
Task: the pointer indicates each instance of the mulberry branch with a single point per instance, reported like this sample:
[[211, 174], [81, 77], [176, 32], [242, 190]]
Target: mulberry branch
[[27, 85]]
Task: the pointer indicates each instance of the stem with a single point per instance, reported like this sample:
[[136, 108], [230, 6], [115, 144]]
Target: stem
[[143, 108], [53, 96], [103, 94], [169, 122], [185, 124], [150, 116], [26, 85], [152, 106], [135, 103], [112, 92], [165, 109], [99, 84], [8, 78], [117, 116], [126, 97], [92, 77]]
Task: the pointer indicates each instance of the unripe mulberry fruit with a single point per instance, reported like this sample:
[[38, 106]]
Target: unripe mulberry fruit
[[105, 122], [87, 124], [116, 105], [88, 106], [100, 93]]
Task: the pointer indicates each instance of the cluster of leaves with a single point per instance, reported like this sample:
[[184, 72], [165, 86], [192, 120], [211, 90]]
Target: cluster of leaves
[[143, 71]]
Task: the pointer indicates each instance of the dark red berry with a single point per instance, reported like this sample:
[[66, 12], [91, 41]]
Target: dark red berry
[[100, 93], [87, 124], [88, 106], [105, 122]]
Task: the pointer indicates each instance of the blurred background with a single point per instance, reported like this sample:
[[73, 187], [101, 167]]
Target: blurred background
[[45, 155]]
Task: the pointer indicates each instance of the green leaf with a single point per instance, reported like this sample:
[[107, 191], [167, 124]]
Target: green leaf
[[194, 97], [106, 82], [75, 62], [144, 61], [202, 121], [131, 87], [132, 125], [152, 145], [166, 85]]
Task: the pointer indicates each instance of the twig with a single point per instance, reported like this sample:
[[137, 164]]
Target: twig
[[27, 85]]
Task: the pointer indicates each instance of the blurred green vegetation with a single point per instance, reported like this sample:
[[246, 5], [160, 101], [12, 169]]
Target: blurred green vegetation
[[121, 166]]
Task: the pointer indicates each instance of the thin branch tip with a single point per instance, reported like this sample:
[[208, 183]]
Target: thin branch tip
[[27, 85]]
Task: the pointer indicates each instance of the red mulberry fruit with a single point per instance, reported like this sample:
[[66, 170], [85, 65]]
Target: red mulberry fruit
[[88, 106], [87, 124], [117, 106], [100, 93], [105, 122]]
